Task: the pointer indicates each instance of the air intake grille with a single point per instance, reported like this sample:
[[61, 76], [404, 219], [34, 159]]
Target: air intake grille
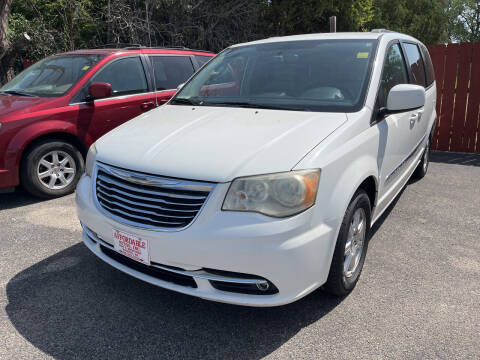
[[148, 201]]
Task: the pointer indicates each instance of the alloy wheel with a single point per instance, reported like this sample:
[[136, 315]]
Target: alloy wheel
[[56, 170], [354, 245]]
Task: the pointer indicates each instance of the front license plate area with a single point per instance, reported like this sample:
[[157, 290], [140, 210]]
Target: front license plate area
[[132, 246]]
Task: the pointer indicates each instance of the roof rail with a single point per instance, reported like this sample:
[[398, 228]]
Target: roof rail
[[382, 31], [163, 48], [154, 47], [116, 46], [129, 46]]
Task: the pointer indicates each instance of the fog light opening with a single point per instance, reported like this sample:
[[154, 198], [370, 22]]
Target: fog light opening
[[263, 286]]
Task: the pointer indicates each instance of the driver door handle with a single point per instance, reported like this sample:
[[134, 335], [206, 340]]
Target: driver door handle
[[147, 105]]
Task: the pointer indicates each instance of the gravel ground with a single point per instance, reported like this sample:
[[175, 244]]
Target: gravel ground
[[418, 297]]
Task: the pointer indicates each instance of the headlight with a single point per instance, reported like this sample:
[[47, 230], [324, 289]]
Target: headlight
[[91, 156], [278, 195]]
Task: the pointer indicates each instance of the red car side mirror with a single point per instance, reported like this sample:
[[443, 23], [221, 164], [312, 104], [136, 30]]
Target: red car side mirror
[[99, 90]]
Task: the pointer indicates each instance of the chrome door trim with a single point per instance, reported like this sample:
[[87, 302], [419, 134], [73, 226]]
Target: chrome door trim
[[396, 171], [121, 97]]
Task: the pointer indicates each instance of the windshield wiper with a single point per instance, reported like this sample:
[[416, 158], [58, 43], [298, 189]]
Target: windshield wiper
[[18, 93], [184, 101], [247, 104]]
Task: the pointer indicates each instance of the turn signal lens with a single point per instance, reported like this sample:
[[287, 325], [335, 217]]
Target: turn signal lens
[[91, 157], [278, 195]]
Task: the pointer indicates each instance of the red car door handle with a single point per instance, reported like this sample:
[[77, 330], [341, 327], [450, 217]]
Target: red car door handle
[[147, 105]]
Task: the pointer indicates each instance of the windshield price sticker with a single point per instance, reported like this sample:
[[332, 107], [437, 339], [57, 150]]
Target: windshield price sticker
[[132, 246]]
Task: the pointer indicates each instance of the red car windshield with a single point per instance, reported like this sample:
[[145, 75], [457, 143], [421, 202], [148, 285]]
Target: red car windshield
[[51, 77]]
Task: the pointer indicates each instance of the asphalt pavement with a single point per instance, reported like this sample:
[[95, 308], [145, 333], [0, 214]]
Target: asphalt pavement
[[418, 296]]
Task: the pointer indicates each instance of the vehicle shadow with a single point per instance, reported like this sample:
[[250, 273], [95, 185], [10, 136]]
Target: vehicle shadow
[[16, 199], [378, 224], [72, 305], [455, 158]]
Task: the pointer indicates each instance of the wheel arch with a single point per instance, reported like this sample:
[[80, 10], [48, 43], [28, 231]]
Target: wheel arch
[[29, 166], [64, 136], [345, 181], [370, 186], [32, 135], [59, 135]]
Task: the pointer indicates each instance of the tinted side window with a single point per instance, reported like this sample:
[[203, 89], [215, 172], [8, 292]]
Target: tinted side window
[[394, 73], [428, 65], [126, 76], [416, 64], [202, 60], [171, 71]]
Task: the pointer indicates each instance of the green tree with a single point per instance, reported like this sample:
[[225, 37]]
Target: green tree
[[286, 17], [54, 25], [426, 20], [464, 20], [63, 25]]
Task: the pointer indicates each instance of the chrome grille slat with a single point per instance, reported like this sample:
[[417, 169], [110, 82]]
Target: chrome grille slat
[[141, 217], [100, 185], [158, 207], [129, 208], [156, 203], [149, 192]]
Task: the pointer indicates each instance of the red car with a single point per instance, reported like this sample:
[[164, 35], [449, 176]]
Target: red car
[[53, 111]]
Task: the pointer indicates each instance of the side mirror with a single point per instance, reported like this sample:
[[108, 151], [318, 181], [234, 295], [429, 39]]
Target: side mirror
[[99, 90], [405, 97], [180, 86]]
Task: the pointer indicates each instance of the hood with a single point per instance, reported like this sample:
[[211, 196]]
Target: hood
[[215, 144], [11, 103]]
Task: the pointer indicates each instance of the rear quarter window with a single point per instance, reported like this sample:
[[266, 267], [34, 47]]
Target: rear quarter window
[[428, 65], [171, 71], [415, 62], [202, 60]]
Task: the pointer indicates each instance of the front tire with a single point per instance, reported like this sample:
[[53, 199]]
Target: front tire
[[51, 169], [351, 247]]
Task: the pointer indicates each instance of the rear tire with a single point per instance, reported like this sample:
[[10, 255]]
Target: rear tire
[[351, 247], [51, 168], [422, 167]]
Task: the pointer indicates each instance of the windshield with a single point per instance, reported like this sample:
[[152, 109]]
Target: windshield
[[309, 75], [52, 76]]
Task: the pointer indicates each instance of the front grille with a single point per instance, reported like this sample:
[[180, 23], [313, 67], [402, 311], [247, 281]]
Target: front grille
[[148, 201]]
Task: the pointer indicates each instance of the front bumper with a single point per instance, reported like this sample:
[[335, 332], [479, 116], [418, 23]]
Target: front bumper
[[293, 254], [8, 169], [7, 179]]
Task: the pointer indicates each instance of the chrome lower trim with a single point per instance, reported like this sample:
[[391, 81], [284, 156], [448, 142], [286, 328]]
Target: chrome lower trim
[[198, 274], [201, 274], [94, 237], [395, 171]]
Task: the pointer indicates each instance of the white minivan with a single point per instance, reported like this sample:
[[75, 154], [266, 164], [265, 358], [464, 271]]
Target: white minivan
[[260, 180]]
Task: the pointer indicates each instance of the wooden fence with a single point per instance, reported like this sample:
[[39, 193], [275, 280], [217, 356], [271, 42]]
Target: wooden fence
[[457, 72]]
